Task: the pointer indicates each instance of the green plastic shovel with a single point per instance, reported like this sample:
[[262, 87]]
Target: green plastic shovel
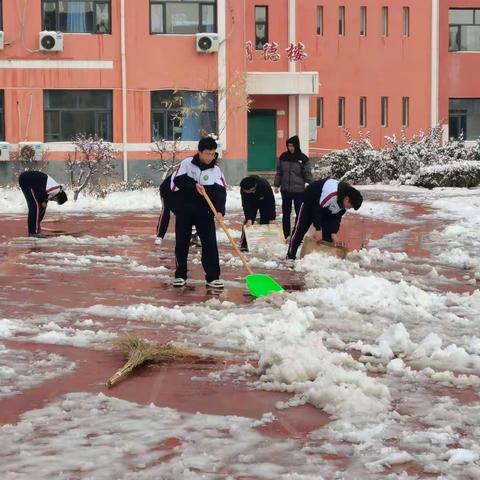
[[258, 284]]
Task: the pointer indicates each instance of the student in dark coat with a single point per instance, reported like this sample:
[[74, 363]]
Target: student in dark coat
[[38, 189], [326, 201], [293, 172], [193, 176], [257, 197]]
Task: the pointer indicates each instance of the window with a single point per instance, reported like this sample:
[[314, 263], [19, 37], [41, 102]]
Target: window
[[384, 112], [181, 17], [406, 21], [320, 112], [384, 22], [183, 115], [363, 112], [320, 20], [77, 16], [341, 111], [261, 27], [69, 112], [405, 111], [464, 118], [464, 30], [363, 21], [341, 21], [2, 117]]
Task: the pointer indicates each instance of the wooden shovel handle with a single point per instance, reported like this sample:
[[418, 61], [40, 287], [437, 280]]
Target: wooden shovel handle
[[227, 233]]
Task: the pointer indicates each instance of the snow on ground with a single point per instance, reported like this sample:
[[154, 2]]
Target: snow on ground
[[21, 369], [98, 437], [373, 341], [12, 202]]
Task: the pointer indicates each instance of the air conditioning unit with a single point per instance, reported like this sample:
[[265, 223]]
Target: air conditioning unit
[[30, 150], [4, 151], [50, 41], [2, 40], [207, 42]]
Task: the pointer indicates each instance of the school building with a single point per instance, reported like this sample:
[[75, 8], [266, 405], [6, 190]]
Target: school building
[[254, 72]]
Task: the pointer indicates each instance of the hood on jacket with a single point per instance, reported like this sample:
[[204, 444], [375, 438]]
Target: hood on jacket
[[295, 141]]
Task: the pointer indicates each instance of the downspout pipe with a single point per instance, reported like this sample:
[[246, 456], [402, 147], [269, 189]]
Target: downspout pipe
[[124, 91]]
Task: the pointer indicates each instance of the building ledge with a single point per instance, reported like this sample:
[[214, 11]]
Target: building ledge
[[282, 83]]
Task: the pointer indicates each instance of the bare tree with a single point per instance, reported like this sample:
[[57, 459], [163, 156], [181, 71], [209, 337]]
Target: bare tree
[[91, 163], [24, 159], [169, 153]]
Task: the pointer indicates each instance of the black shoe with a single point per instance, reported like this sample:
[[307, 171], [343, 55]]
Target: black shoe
[[215, 283]]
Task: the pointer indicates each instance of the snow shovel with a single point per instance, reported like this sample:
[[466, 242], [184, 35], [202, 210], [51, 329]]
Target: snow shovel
[[258, 284]]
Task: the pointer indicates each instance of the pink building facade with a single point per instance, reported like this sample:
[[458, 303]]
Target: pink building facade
[[128, 70]]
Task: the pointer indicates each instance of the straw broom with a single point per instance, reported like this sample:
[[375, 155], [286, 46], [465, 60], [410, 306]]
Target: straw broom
[[139, 351]]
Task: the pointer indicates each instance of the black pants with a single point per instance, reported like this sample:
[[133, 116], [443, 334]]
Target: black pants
[[36, 211], [205, 225], [164, 218], [303, 223], [287, 199], [243, 238]]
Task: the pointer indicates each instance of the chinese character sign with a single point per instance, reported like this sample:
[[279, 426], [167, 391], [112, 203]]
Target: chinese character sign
[[271, 52], [249, 51], [296, 52]]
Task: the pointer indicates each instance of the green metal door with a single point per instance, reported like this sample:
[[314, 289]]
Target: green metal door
[[262, 140]]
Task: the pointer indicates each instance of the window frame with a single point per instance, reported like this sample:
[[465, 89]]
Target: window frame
[[200, 4], [166, 110], [384, 22], [95, 3], [406, 22], [363, 21], [363, 112], [475, 11], [95, 110], [320, 19], [265, 23], [384, 112], [341, 112], [462, 111], [320, 112], [405, 112], [341, 20]]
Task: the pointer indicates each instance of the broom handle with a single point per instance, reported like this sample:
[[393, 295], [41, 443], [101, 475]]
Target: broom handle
[[227, 233]]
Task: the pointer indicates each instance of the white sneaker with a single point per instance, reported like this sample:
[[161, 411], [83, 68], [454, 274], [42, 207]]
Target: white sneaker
[[290, 262], [179, 282], [215, 283], [158, 241]]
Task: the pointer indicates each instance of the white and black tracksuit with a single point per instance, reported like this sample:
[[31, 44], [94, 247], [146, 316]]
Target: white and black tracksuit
[[191, 209], [320, 207], [38, 188]]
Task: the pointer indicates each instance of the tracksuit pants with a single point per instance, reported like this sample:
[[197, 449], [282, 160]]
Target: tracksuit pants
[[205, 226], [287, 199], [303, 223], [35, 210], [164, 219]]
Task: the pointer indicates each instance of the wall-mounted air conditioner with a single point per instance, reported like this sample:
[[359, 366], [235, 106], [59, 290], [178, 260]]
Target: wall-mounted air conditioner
[[30, 150], [4, 151], [50, 41], [2, 40], [207, 42]]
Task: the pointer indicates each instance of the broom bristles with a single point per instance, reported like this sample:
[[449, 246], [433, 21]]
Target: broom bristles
[[139, 351]]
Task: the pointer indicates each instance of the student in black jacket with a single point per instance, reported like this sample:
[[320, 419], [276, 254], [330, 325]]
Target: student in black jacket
[[293, 172], [326, 201], [38, 188], [257, 196], [193, 176]]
